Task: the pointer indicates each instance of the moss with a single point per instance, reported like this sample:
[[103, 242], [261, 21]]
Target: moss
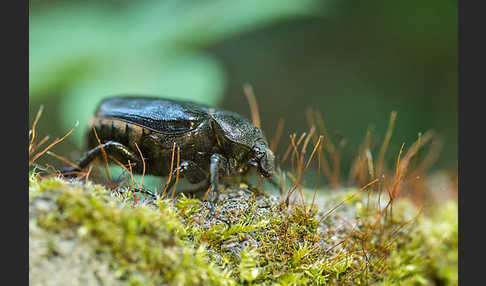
[[430, 251], [144, 243], [265, 243]]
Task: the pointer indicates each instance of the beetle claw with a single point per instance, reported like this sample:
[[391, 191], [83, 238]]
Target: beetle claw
[[145, 192]]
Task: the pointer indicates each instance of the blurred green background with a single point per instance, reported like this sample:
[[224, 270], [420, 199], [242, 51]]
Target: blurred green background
[[355, 61]]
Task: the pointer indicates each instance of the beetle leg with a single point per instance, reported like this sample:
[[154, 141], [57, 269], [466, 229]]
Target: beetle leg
[[194, 172], [216, 163], [197, 175], [145, 192], [214, 167], [110, 147]]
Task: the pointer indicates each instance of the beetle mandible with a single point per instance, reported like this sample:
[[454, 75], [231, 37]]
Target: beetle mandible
[[214, 143]]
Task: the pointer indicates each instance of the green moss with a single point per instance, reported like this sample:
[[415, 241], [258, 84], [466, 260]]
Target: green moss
[[144, 242], [430, 250], [248, 266], [266, 242]]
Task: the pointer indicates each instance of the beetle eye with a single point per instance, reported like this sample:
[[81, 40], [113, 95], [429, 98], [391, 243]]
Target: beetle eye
[[258, 152]]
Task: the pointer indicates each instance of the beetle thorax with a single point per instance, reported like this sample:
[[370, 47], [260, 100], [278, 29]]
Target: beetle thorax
[[242, 143], [237, 159]]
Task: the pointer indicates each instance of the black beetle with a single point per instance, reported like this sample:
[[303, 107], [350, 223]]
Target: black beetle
[[213, 143]]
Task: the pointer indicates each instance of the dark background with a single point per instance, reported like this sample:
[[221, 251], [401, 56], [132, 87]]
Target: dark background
[[354, 61]]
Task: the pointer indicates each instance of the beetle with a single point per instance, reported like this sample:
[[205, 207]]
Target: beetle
[[214, 143]]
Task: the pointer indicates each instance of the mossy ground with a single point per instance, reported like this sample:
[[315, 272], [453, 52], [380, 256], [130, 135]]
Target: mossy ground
[[87, 235]]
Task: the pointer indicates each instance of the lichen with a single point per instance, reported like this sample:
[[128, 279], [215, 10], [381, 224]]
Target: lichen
[[264, 241]]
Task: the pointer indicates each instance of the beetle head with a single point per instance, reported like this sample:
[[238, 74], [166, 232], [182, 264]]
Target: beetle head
[[263, 158]]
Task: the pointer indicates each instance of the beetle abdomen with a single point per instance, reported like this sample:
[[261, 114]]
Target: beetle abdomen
[[156, 147], [119, 131]]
